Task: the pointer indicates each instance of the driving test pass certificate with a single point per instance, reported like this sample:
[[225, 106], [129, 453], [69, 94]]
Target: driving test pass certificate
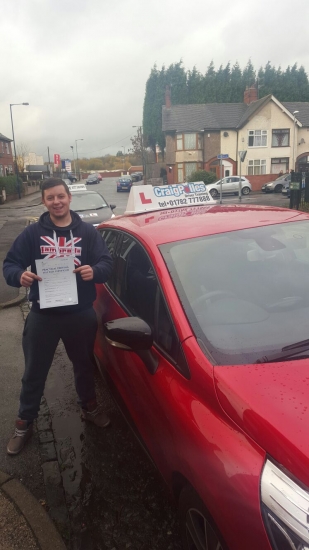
[[58, 286]]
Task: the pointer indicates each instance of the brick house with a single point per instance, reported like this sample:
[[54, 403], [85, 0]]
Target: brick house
[[276, 140], [6, 156]]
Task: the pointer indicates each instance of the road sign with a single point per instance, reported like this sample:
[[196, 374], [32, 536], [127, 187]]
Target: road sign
[[222, 156]]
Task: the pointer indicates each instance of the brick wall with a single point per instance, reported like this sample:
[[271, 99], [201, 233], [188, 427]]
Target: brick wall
[[258, 181], [170, 155], [211, 145]]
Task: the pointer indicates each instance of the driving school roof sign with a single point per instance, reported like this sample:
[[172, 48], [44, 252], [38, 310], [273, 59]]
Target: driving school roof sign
[[144, 198]]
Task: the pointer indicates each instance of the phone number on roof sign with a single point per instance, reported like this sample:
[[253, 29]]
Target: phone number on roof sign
[[180, 189]]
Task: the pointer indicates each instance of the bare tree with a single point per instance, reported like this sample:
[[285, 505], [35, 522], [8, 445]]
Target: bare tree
[[22, 153]]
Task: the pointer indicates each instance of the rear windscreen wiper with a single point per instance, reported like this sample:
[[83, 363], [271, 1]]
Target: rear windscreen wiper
[[286, 352]]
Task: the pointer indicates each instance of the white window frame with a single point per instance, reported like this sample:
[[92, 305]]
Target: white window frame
[[257, 135], [1, 170], [256, 167], [7, 148]]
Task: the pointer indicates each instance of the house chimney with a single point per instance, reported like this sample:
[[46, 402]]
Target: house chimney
[[250, 95], [168, 102]]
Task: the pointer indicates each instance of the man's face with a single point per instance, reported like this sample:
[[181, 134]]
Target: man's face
[[57, 202]]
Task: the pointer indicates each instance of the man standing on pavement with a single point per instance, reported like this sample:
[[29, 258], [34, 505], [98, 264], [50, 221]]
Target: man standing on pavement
[[59, 232]]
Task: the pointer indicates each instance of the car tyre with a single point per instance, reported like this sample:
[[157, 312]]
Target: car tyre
[[245, 190], [214, 193], [198, 529], [278, 188]]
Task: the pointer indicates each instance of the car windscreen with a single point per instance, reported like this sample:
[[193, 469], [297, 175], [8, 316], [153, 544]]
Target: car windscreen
[[245, 293], [87, 201]]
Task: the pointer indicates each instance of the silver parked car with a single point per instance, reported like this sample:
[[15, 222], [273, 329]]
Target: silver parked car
[[277, 185], [230, 184]]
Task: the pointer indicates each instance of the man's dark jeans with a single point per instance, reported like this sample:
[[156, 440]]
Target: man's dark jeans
[[41, 336]]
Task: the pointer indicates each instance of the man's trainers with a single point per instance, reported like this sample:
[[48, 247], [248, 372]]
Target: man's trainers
[[97, 416], [22, 433]]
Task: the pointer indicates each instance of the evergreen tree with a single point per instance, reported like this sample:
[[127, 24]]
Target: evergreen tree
[[237, 91], [302, 83], [176, 78], [248, 75], [210, 95], [195, 87]]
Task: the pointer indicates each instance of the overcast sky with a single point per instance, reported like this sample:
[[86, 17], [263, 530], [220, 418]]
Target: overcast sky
[[83, 64]]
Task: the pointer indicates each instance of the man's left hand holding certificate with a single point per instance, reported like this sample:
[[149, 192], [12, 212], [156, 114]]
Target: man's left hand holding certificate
[[58, 286]]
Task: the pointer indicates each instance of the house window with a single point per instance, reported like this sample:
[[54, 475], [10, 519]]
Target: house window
[[1, 147], [179, 142], [190, 167], [189, 142], [257, 138], [1, 170], [180, 173], [256, 167], [279, 165], [10, 169], [7, 148], [280, 138]]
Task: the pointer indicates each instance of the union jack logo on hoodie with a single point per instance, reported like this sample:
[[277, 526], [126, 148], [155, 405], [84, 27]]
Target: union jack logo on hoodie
[[60, 247]]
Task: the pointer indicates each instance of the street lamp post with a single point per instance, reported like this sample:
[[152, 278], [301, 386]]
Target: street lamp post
[[294, 113], [74, 163], [77, 167], [124, 157], [16, 164]]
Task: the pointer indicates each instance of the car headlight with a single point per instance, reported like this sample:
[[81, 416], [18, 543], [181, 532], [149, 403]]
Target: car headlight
[[285, 507]]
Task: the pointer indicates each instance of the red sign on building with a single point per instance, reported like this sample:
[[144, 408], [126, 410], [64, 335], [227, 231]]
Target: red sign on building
[[56, 158]]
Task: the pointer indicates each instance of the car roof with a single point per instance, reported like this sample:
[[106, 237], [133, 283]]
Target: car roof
[[166, 226]]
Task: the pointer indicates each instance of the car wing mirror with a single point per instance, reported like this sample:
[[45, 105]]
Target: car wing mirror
[[132, 334]]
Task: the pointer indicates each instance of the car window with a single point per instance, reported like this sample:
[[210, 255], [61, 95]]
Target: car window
[[136, 285], [87, 201], [111, 239]]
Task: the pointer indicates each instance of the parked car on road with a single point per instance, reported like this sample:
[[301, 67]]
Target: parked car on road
[[286, 189], [72, 178], [124, 183], [91, 206], [276, 185], [92, 178], [230, 184], [206, 349], [137, 176]]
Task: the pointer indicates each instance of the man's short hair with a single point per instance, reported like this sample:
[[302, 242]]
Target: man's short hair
[[52, 182]]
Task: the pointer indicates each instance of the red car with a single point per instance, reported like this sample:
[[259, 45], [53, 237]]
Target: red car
[[204, 339]]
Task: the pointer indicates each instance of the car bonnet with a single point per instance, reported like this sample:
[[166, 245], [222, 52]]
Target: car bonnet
[[270, 402]]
